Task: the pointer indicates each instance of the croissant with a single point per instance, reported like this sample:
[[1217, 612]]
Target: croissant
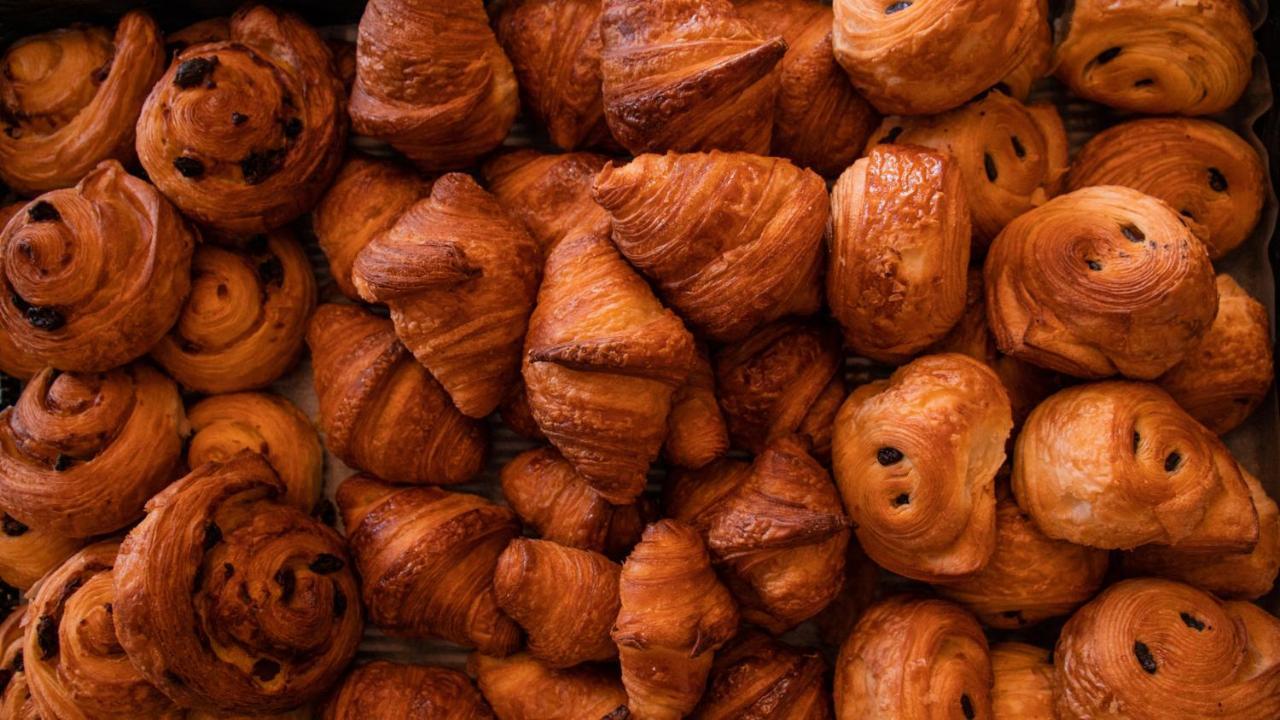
[[923, 58], [1150, 56], [1118, 464], [384, 689], [16, 702], [460, 276], [28, 554], [915, 458], [244, 135], [1210, 175], [432, 81], [756, 677], [1226, 376], [381, 411], [687, 75], [675, 615], [600, 375], [1023, 688], [732, 241], [1100, 281], [366, 198], [551, 194], [899, 251], [519, 687], [911, 659], [70, 98], [427, 559], [696, 430], [94, 275], [1012, 157], [1148, 649]]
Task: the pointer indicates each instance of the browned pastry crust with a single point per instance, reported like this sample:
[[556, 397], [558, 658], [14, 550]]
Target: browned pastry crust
[[460, 275], [432, 81], [687, 75], [81, 453], [16, 702], [1154, 56], [427, 557], [923, 58], [756, 677], [70, 98], [226, 599], [519, 687], [602, 360], [1206, 172], [14, 361], [516, 413], [859, 591], [94, 275], [380, 410], [384, 689], [28, 554], [731, 240], [1148, 649], [1036, 64], [1023, 688], [244, 135], [899, 251], [1226, 376], [550, 193], [1100, 281], [214, 29], [912, 659], [1118, 464], [696, 430]]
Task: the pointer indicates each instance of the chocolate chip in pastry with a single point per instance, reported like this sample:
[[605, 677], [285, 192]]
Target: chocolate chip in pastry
[[696, 430], [519, 687], [1023, 688], [384, 689], [755, 676], [28, 553], [550, 193]]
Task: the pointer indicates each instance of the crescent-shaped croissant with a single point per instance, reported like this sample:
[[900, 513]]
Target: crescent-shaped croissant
[[550, 193], [380, 410], [696, 430], [732, 241], [384, 689], [460, 275], [519, 687], [1023, 687], [755, 676], [70, 99], [29, 553], [16, 702]]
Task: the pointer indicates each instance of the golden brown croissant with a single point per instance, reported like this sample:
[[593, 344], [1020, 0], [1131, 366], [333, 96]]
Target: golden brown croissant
[[519, 687], [244, 135], [687, 75], [16, 702], [432, 81], [756, 677], [28, 553], [1023, 688], [460, 275], [696, 430], [380, 410], [732, 241], [366, 198], [80, 454], [1226, 376], [600, 375], [1100, 281], [94, 275], [1147, 649], [427, 557], [227, 599], [675, 615], [1206, 172], [70, 98], [1154, 56], [1118, 464], [913, 659], [921, 58], [384, 689], [565, 599], [900, 235], [550, 193]]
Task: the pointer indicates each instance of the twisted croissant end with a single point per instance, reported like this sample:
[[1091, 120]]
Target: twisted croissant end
[[696, 430], [1023, 687], [755, 676], [520, 687], [550, 193], [408, 692]]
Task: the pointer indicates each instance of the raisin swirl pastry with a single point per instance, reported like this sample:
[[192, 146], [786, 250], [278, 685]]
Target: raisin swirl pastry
[[1100, 281], [15, 362], [16, 702], [81, 453], [696, 430], [244, 135], [384, 689], [93, 276], [1153, 56], [227, 599], [1209, 174], [1147, 649], [755, 677], [519, 687], [70, 99], [28, 554], [1023, 687], [550, 193]]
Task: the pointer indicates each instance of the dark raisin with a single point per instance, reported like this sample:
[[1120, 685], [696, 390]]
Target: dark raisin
[[270, 271], [19, 303], [293, 127], [888, 456], [897, 7], [990, 164], [1094, 265], [13, 528], [1107, 55], [1192, 622], [45, 318], [258, 166], [892, 135], [325, 512], [1217, 181], [188, 167], [47, 636], [266, 670], [228, 570], [1145, 658], [288, 582], [193, 72], [238, 119], [62, 463], [902, 499], [1132, 233], [8, 599], [1144, 82], [325, 564], [212, 535], [1018, 149], [43, 211], [339, 603], [1137, 440], [1172, 462], [966, 706]]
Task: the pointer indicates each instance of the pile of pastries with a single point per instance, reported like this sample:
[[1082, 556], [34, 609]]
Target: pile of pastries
[[741, 197]]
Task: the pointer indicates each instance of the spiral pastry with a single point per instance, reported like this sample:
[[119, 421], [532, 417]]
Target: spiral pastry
[[80, 454], [1023, 688], [696, 430], [519, 687], [432, 81], [1147, 649], [1210, 175], [94, 275], [267, 424], [1012, 157], [16, 702], [551, 194], [921, 58], [70, 98], [1118, 464], [226, 599], [912, 659], [384, 689], [427, 559], [28, 554], [380, 410], [755, 676], [1158, 57], [900, 235], [244, 135]]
